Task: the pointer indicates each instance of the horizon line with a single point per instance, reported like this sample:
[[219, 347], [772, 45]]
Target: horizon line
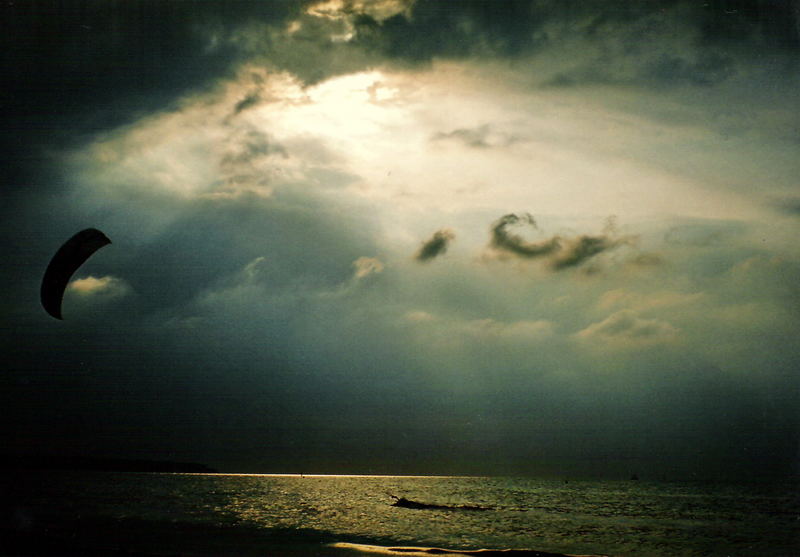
[[304, 475]]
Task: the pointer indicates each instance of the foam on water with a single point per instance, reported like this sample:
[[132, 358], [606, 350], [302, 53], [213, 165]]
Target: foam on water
[[426, 551]]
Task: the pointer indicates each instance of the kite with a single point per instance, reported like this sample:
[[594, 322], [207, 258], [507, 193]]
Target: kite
[[65, 262]]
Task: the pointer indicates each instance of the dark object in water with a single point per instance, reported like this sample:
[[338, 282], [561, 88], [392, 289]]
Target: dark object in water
[[411, 504], [65, 262]]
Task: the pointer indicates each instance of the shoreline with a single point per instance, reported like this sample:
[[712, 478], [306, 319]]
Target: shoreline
[[134, 537]]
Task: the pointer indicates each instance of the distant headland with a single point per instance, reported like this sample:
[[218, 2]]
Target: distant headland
[[58, 462]]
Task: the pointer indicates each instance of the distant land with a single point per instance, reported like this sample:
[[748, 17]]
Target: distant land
[[56, 462]]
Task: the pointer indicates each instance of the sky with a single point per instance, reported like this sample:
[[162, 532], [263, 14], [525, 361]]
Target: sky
[[517, 237]]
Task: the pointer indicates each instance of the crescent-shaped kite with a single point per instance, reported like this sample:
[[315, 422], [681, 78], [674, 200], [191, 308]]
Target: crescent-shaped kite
[[65, 262]]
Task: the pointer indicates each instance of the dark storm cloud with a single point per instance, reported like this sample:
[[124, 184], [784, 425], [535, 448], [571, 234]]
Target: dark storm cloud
[[73, 69], [576, 251], [79, 52], [668, 42], [445, 29], [560, 252], [504, 240], [96, 64], [222, 337], [435, 246], [661, 70], [249, 101]]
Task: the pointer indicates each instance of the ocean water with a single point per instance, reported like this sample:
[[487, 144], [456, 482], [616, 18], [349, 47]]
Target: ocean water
[[75, 513]]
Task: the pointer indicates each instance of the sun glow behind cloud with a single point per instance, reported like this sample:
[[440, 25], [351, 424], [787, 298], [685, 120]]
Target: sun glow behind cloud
[[98, 294], [102, 286], [305, 197], [407, 145], [447, 144]]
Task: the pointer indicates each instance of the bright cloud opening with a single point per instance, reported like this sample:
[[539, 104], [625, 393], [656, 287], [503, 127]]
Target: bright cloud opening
[[105, 287]]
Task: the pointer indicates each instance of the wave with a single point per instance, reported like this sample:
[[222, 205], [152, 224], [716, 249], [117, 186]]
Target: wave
[[424, 551]]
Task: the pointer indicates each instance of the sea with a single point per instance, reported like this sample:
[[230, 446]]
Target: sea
[[113, 513]]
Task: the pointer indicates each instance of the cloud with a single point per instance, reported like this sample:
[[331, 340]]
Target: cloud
[[621, 298], [246, 242], [419, 316], [366, 266], [667, 64], [576, 251], [789, 205], [245, 167], [91, 293], [560, 252], [251, 100], [437, 245], [503, 240], [482, 137], [626, 325], [703, 234], [489, 333], [487, 329], [112, 71], [645, 260], [222, 157], [254, 270], [461, 30], [688, 43], [103, 287], [313, 46], [378, 9]]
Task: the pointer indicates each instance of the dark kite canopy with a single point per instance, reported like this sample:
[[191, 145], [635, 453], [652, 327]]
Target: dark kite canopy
[[65, 262]]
